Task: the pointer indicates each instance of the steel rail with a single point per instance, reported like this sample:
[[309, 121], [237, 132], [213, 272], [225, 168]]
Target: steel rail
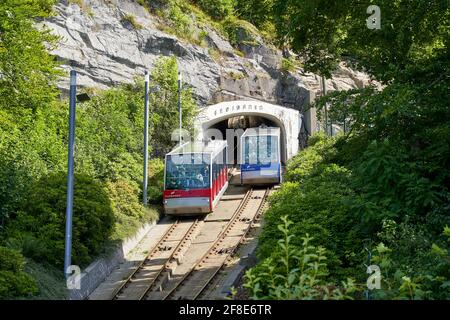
[[146, 259], [175, 251], [255, 217], [219, 239]]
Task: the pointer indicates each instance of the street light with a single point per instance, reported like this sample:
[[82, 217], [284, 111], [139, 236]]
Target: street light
[[148, 90], [180, 111], [70, 173], [146, 100]]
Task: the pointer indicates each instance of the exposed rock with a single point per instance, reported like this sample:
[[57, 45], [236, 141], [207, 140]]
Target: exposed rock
[[105, 52]]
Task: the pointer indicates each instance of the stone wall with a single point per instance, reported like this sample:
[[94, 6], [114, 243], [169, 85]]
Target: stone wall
[[106, 51]]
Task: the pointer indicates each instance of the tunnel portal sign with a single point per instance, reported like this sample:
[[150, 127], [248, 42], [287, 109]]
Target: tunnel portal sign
[[287, 119]]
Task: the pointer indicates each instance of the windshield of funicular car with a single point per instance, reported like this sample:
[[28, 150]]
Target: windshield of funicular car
[[188, 171], [261, 149]]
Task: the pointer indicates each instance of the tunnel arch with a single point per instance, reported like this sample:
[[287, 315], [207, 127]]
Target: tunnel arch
[[287, 119]]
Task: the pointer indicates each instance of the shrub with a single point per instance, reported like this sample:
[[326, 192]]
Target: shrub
[[315, 198], [14, 282], [287, 65], [218, 9], [240, 31], [412, 266], [129, 19], [43, 219], [155, 181], [294, 272], [127, 208]]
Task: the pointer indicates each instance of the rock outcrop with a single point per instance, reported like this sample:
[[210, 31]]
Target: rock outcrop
[[106, 50]]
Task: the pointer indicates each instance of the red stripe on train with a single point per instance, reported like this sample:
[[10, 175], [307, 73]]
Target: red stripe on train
[[187, 193]]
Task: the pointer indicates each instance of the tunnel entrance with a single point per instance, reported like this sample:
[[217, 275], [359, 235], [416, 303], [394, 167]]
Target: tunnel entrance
[[233, 117], [235, 123]]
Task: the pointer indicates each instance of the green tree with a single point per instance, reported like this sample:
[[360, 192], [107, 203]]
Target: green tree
[[40, 225], [258, 12], [164, 102], [27, 70], [14, 282], [323, 31], [217, 9]]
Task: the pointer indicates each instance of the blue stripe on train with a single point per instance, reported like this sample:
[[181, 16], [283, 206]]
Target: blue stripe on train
[[258, 167]]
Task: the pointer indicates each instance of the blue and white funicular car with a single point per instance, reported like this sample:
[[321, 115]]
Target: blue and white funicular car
[[260, 156]]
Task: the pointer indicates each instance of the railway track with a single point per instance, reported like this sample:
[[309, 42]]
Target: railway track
[[153, 278], [195, 282], [169, 247]]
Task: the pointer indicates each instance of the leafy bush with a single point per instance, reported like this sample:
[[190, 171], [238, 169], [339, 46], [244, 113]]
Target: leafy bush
[[287, 65], [165, 110], [294, 272], [240, 31], [42, 219], [218, 9], [155, 181], [29, 149], [14, 282], [413, 267], [128, 211]]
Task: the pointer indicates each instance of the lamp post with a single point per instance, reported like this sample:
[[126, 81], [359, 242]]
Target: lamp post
[[70, 173], [180, 111], [324, 91], [146, 102]]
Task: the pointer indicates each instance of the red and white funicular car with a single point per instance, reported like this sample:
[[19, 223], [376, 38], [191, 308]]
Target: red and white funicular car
[[196, 176]]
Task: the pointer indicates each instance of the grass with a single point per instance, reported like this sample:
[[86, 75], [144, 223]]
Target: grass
[[130, 19], [127, 226], [51, 281], [236, 75], [215, 54], [85, 8]]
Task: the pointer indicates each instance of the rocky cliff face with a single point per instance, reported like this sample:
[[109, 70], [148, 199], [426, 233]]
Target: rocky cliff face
[[106, 51]]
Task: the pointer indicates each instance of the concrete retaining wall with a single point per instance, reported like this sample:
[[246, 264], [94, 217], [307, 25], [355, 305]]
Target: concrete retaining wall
[[96, 272]]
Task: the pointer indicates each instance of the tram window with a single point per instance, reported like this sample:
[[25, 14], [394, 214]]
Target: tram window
[[261, 150], [251, 150], [193, 173]]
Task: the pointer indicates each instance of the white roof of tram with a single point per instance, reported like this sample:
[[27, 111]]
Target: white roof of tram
[[212, 146], [261, 131]]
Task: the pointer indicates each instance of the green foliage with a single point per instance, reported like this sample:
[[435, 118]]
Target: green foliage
[[50, 281], [165, 105], [315, 198], [156, 181], [411, 33], [423, 275], [109, 134], [218, 9], [294, 272], [129, 19], [129, 213], [240, 31], [260, 14], [14, 282], [287, 65], [43, 219], [27, 69], [396, 148], [21, 164]]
